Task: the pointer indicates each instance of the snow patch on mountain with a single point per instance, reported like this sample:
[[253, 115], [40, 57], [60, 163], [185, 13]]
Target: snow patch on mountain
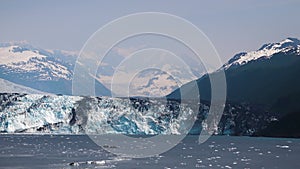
[[15, 54], [153, 83]]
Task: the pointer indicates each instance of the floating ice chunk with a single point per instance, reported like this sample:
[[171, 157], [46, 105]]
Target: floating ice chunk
[[283, 146]]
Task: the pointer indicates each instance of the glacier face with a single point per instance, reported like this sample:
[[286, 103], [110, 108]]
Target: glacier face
[[35, 113], [92, 115], [59, 114]]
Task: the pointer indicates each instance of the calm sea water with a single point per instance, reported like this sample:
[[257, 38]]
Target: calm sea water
[[59, 151]]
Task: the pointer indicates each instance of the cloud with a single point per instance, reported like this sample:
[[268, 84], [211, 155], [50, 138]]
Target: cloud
[[124, 51], [127, 51]]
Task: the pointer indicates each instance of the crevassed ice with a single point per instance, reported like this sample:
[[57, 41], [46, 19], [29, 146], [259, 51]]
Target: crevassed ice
[[75, 115]]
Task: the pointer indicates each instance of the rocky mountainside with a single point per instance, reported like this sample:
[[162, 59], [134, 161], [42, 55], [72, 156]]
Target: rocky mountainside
[[266, 78]]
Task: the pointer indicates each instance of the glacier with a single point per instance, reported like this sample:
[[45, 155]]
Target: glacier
[[59, 114]]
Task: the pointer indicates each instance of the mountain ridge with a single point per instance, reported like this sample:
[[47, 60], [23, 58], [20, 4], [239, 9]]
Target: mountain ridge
[[265, 52]]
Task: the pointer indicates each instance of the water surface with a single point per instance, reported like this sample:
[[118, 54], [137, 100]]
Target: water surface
[[59, 151]]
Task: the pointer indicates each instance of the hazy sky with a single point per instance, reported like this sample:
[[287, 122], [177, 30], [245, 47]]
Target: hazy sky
[[232, 26]]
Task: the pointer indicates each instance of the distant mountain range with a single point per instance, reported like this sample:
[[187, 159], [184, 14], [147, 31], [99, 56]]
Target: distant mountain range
[[48, 71], [267, 80], [51, 71]]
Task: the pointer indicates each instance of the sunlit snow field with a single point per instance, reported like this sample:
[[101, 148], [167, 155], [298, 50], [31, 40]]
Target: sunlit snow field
[[78, 151]]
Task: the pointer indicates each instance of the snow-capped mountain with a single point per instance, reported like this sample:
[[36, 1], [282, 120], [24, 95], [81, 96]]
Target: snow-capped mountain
[[267, 79], [150, 82], [25, 59], [153, 83], [49, 71], [265, 52], [262, 76]]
